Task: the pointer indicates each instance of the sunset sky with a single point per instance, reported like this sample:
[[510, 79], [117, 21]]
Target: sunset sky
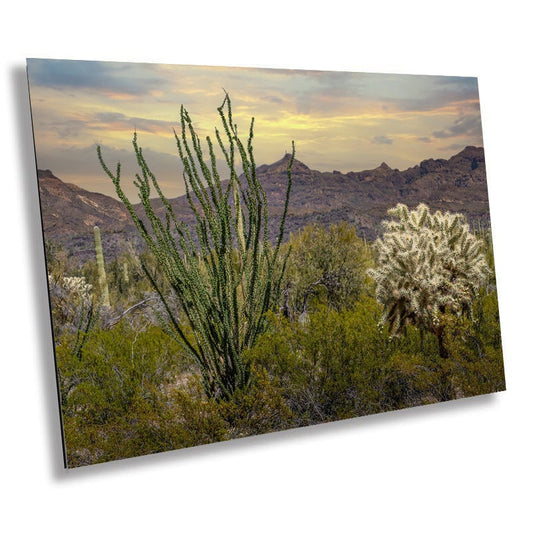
[[338, 120]]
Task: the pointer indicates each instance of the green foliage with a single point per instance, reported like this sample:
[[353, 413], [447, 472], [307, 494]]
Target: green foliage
[[130, 394], [485, 236], [57, 261], [475, 349], [127, 282], [133, 391], [329, 368], [260, 408], [119, 277], [341, 364], [428, 265], [325, 266], [227, 282], [486, 324], [115, 399]]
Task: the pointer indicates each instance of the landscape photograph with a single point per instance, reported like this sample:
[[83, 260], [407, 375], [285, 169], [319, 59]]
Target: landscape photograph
[[232, 252]]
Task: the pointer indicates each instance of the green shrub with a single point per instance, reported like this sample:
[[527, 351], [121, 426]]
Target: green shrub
[[260, 408], [327, 368], [342, 364], [326, 265], [114, 398]]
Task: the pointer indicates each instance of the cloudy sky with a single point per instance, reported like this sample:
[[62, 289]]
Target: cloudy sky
[[338, 120]]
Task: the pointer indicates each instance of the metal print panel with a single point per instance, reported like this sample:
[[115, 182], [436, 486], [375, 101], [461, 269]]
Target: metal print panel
[[236, 251]]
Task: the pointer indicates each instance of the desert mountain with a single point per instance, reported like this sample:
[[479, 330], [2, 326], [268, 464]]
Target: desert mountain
[[69, 214], [362, 198], [69, 210]]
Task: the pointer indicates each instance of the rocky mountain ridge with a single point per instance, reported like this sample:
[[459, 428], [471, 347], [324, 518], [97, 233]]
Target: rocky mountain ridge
[[68, 210], [362, 198]]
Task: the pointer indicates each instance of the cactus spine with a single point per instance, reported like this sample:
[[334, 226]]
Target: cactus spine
[[102, 279], [428, 265]]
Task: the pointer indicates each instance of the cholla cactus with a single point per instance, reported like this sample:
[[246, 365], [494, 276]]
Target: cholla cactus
[[428, 265], [68, 293], [77, 285], [73, 310]]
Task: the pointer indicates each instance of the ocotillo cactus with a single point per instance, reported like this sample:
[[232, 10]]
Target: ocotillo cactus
[[102, 279], [228, 280]]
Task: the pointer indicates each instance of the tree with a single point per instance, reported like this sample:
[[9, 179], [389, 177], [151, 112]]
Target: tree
[[326, 264], [428, 265], [226, 275]]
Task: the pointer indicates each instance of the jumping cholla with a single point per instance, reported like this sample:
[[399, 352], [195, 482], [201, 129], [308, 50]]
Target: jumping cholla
[[75, 285], [427, 265]]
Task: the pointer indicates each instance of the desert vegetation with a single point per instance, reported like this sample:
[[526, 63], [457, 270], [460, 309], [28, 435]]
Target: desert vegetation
[[228, 331]]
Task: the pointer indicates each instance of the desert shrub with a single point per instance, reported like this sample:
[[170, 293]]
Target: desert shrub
[[260, 408], [476, 360], [331, 367], [326, 265], [58, 262], [73, 305], [486, 321], [130, 394], [341, 364], [114, 398]]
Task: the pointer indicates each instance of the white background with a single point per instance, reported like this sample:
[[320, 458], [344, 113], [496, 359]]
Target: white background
[[463, 466]]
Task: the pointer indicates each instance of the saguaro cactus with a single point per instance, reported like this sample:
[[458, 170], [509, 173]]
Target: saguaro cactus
[[125, 273], [102, 278], [227, 281]]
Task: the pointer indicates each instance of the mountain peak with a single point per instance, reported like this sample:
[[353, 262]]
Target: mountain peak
[[471, 150], [286, 159], [41, 174], [283, 163], [469, 159]]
